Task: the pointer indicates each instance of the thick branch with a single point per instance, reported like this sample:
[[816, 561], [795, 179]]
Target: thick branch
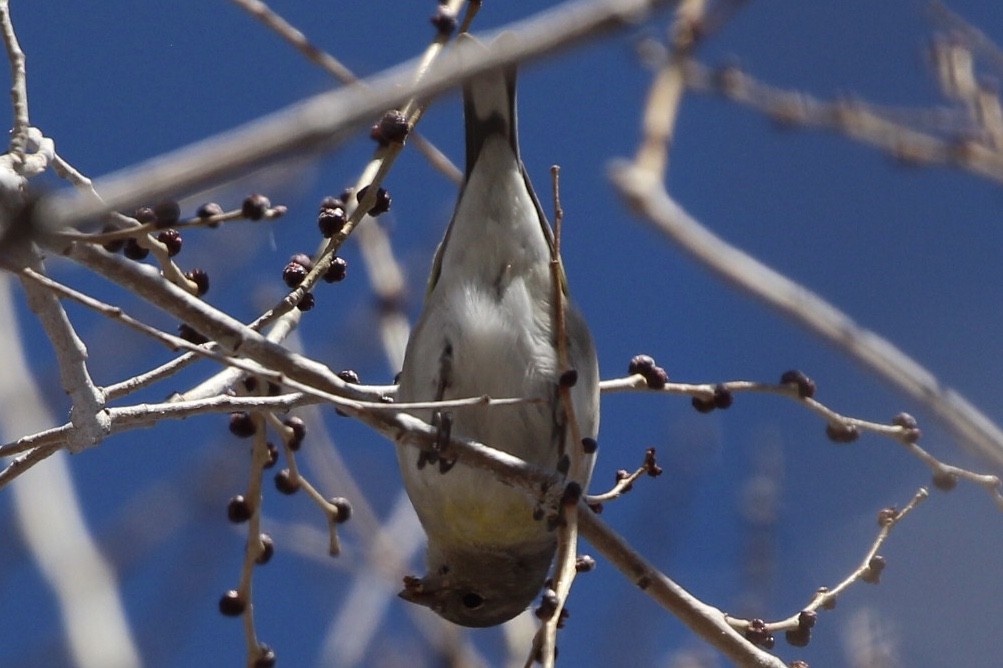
[[320, 122]]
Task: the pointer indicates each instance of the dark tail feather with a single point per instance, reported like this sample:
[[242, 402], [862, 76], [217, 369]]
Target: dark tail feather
[[488, 109]]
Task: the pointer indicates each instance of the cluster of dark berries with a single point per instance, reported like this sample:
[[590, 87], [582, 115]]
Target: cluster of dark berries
[[654, 375], [163, 216], [758, 635], [393, 128], [293, 274], [332, 216], [805, 385], [800, 636], [296, 270], [722, 398], [201, 280], [380, 205], [910, 428]]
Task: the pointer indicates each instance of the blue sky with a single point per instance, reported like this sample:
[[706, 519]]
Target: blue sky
[[912, 254]]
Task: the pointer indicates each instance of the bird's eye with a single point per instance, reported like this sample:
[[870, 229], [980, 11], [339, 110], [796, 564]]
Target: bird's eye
[[472, 600]]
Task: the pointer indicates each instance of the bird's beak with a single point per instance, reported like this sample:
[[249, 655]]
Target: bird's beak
[[419, 591]]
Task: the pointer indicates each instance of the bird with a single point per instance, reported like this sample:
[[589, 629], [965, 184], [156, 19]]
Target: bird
[[487, 328]]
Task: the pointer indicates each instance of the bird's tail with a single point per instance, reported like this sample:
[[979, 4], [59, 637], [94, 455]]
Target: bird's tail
[[489, 109]]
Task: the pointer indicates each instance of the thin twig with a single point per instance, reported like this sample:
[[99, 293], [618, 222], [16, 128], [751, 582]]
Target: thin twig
[[825, 597], [907, 435], [647, 197], [338, 70], [544, 645], [19, 84], [665, 95]]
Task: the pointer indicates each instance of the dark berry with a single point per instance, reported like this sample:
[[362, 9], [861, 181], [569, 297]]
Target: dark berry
[[722, 397], [331, 220], [905, 420], [238, 509], [255, 207], [242, 425], [798, 637], [298, 428], [284, 482], [910, 427], [293, 274], [337, 271], [380, 205], [343, 509], [872, 574], [589, 445], [201, 280], [572, 494], [172, 240], [654, 375], [133, 250], [703, 405], [265, 657], [232, 604], [757, 634], [113, 246], [209, 210], [392, 128], [548, 604], [641, 364], [267, 549], [349, 376], [945, 481], [804, 384], [166, 213], [186, 332], [145, 215], [842, 433], [584, 564], [307, 302]]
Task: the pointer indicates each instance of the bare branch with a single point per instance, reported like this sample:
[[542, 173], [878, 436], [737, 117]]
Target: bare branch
[[706, 621]]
